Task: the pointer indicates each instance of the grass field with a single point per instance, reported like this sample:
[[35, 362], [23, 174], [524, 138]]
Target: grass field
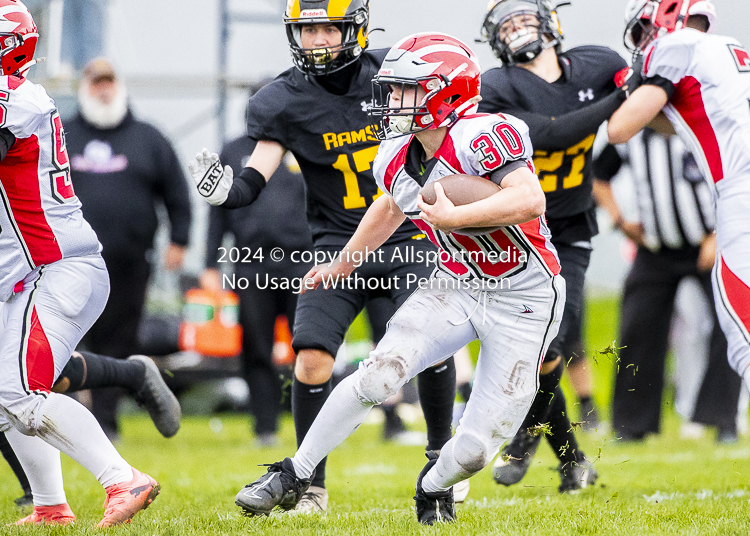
[[663, 486]]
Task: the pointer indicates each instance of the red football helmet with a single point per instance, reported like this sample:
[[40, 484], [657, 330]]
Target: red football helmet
[[18, 38], [648, 19], [444, 67]]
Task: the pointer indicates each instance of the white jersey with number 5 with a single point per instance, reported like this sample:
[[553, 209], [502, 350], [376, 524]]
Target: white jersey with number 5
[[475, 145], [710, 107], [40, 220]]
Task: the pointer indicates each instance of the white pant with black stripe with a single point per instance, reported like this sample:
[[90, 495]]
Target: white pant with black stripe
[[514, 328], [731, 275], [39, 328]]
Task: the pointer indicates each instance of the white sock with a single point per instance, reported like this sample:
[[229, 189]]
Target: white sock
[[339, 417], [74, 431], [41, 463], [445, 472]]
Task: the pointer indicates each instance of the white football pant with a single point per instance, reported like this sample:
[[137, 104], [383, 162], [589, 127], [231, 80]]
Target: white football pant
[[731, 274], [40, 326], [514, 328]]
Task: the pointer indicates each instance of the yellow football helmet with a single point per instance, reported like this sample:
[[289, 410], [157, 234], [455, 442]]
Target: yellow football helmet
[[352, 17]]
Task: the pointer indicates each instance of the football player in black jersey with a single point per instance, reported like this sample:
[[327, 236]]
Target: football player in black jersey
[[318, 111], [564, 97]]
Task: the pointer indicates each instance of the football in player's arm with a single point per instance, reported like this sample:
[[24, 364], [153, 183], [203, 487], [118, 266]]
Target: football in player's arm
[[432, 131]]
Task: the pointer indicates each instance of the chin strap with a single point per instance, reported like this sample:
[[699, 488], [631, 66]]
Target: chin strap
[[21, 72]]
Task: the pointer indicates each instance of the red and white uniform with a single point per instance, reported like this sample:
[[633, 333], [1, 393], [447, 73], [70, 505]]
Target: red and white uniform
[[475, 145], [515, 323], [40, 218], [53, 280], [710, 110]]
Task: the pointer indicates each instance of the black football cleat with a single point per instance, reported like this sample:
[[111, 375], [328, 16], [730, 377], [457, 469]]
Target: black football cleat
[[575, 476], [278, 487], [511, 466], [26, 500], [157, 398], [433, 507]]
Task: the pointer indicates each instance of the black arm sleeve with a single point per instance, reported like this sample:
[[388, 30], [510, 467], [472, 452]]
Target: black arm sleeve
[[661, 82], [7, 139], [499, 174], [560, 132], [217, 226], [607, 164], [245, 189]]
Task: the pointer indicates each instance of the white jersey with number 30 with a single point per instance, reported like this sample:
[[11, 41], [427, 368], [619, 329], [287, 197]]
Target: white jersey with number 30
[[475, 145], [710, 107], [41, 220]]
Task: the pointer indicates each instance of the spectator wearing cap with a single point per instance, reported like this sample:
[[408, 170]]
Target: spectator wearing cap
[[122, 170]]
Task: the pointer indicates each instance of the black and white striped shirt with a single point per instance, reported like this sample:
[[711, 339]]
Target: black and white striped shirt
[[674, 202]]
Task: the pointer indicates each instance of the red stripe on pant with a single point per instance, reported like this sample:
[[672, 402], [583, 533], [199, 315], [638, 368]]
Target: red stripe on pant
[[40, 364], [738, 295]]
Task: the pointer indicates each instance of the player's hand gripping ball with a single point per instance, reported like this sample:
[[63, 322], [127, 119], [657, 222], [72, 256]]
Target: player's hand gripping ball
[[462, 190], [212, 180]]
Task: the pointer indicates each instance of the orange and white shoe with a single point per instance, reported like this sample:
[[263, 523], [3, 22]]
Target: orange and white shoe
[[58, 514], [126, 499]]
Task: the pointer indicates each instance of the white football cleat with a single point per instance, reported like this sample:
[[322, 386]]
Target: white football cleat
[[313, 501], [461, 491]]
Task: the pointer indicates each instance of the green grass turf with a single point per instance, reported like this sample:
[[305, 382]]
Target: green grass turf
[[663, 486]]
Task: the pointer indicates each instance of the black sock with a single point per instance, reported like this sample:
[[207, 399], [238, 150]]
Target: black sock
[[464, 389], [91, 371], [12, 460], [539, 411], [562, 439], [389, 412], [307, 400], [584, 400], [437, 392], [393, 424]]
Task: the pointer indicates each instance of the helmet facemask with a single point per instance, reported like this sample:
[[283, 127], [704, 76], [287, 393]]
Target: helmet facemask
[[521, 41], [640, 30], [406, 116], [649, 19]]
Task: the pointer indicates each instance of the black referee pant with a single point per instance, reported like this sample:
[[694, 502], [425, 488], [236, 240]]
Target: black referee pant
[[647, 306], [115, 333]]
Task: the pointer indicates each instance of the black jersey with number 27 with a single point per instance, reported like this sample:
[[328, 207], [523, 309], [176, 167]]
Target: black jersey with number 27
[[565, 173], [331, 138]]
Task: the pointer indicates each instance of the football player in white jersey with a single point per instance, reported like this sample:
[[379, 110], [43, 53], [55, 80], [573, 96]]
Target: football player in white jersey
[[702, 83], [54, 285], [425, 98]]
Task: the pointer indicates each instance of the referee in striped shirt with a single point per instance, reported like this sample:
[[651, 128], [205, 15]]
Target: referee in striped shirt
[[675, 239]]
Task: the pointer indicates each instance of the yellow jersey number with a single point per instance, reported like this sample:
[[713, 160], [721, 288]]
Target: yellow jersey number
[[545, 161], [362, 162]]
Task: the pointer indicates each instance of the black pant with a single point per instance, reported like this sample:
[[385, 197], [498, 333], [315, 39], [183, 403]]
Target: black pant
[[115, 333], [258, 311], [324, 316], [647, 306], [574, 261]]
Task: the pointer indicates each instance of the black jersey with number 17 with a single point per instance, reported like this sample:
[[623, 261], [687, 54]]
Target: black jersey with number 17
[[565, 173], [331, 138]]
